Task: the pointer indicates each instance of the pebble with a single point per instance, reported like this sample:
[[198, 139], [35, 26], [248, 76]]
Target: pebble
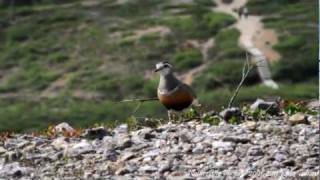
[[96, 133], [228, 113], [298, 118], [63, 127]]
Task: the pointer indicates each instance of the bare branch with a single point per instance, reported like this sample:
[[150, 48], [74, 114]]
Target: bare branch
[[245, 72], [139, 100]]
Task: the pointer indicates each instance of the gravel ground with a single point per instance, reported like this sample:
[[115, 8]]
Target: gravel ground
[[271, 149]]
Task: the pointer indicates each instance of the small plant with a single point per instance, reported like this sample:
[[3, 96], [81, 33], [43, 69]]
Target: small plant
[[293, 108], [216, 21], [212, 120], [132, 123], [258, 114], [187, 59], [190, 114], [235, 120]]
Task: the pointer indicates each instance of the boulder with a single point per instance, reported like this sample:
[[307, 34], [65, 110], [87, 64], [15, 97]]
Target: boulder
[[272, 108]]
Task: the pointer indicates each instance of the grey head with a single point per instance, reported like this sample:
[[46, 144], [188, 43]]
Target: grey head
[[168, 81]]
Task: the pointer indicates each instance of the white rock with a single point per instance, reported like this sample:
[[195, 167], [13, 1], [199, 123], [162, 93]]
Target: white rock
[[60, 143], [152, 153], [2, 150], [270, 107], [298, 118], [148, 169], [63, 127], [80, 148], [251, 125], [121, 129]]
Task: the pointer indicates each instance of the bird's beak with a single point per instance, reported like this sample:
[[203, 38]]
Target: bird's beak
[[156, 70]]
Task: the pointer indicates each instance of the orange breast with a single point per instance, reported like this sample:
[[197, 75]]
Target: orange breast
[[178, 100]]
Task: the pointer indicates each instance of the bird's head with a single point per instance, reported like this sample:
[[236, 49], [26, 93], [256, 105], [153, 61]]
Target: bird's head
[[164, 68]]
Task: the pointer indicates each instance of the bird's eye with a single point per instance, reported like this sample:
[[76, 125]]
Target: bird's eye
[[166, 65]]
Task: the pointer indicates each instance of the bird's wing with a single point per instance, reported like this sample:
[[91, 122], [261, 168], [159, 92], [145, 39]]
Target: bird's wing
[[188, 88]]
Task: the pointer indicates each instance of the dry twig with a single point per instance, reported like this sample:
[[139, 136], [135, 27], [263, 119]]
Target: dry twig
[[140, 102], [247, 67]]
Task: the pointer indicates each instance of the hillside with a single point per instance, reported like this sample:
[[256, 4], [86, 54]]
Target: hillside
[[70, 61]]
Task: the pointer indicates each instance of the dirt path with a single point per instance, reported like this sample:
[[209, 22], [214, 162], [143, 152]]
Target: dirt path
[[204, 47], [257, 40], [252, 29]]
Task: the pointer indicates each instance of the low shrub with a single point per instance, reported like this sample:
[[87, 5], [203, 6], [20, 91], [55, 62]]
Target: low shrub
[[185, 60]]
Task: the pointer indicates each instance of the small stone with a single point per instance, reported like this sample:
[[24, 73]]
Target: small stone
[[272, 108], [228, 113], [198, 149], [255, 151], [23, 144], [251, 125], [236, 139], [127, 156], [259, 136], [56, 156], [313, 161], [14, 170], [289, 162], [2, 150], [60, 143], [108, 143], [110, 155], [123, 142], [219, 165], [280, 157], [223, 146], [146, 133], [63, 127], [298, 118], [122, 171], [96, 133], [152, 153], [186, 148], [314, 104], [12, 156], [148, 169], [185, 137], [121, 129], [164, 167], [80, 148]]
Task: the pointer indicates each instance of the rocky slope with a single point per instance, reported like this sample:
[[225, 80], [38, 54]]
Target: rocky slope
[[264, 149]]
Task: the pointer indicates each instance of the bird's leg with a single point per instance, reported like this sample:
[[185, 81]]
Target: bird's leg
[[169, 116], [180, 116]]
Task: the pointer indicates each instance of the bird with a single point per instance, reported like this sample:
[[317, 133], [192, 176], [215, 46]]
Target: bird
[[172, 93]]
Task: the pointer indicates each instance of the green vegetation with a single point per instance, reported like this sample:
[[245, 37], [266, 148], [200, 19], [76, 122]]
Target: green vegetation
[[34, 115], [201, 24], [293, 108], [225, 73], [220, 97], [226, 44], [187, 59], [212, 120], [217, 21]]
